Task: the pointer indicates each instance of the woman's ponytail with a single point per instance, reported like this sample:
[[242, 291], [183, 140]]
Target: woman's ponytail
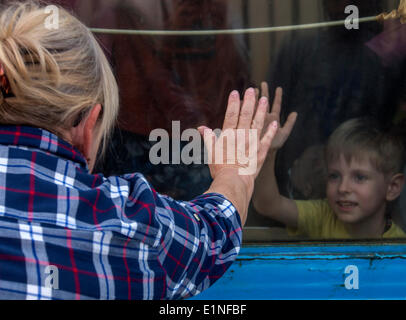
[[54, 75]]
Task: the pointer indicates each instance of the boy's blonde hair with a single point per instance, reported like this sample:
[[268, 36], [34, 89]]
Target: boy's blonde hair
[[361, 137], [56, 76]]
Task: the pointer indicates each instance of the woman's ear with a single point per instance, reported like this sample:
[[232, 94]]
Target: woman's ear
[[395, 186], [83, 135]]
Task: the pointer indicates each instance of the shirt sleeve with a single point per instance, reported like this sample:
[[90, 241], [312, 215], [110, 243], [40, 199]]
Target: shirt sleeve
[[310, 218], [195, 242]]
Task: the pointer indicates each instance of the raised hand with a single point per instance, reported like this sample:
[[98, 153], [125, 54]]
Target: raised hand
[[283, 131], [249, 152]]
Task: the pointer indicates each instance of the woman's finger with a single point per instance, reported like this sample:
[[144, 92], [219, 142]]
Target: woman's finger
[[233, 111], [247, 110], [209, 139]]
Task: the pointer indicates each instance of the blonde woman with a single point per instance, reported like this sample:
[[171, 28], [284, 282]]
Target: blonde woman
[[104, 238]]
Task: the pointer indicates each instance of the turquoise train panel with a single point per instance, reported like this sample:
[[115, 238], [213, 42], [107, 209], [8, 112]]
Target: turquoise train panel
[[314, 271]]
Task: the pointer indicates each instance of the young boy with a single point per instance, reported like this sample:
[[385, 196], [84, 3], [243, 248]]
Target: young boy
[[364, 168]]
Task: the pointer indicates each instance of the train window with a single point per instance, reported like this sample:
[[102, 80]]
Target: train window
[[176, 62]]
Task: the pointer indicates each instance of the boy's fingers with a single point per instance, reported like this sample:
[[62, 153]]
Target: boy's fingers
[[256, 94], [247, 110], [266, 140], [233, 111], [259, 118], [290, 122], [265, 89], [277, 101]]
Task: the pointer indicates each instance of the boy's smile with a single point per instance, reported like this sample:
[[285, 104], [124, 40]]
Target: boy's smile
[[346, 206], [356, 191]]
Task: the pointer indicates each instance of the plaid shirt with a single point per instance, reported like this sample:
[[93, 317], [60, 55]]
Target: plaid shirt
[[68, 234]]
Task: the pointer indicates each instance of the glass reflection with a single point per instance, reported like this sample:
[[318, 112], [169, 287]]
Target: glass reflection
[[329, 75]]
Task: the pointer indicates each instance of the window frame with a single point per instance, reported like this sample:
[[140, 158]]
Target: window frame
[[314, 270]]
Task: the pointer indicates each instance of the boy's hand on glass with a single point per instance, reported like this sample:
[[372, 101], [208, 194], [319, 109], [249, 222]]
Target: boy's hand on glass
[[274, 115]]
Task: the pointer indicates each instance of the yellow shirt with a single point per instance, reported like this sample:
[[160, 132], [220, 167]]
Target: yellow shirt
[[318, 221]]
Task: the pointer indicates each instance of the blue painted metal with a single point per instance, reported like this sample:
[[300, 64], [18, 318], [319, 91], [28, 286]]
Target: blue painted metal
[[313, 271]]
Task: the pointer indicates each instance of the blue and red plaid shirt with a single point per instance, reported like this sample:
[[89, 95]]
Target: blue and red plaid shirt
[[68, 234]]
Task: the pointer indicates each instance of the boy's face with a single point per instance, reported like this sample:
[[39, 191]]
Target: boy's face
[[356, 191]]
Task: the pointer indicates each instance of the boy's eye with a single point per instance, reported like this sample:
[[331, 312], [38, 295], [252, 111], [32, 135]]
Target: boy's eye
[[333, 176], [360, 177]]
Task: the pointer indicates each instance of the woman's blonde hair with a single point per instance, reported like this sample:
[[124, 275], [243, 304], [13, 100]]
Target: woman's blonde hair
[[55, 75]]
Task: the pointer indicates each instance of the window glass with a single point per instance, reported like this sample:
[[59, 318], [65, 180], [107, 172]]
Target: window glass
[[329, 74]]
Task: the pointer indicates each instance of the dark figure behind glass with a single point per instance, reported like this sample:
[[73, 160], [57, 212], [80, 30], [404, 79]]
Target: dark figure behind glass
[[331, 75], [164, 79]]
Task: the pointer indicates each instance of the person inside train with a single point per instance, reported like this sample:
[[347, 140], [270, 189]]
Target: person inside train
[[364, 178]]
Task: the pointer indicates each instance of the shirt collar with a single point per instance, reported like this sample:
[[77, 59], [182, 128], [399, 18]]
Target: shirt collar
[[42, 139]]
